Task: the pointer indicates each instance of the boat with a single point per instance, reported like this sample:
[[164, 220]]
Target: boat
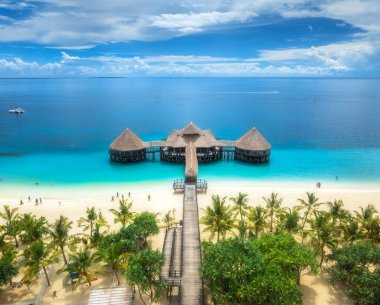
[[16, 110]]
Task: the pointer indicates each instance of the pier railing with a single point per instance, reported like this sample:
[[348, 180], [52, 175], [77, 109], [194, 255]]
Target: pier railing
[[179, 185]]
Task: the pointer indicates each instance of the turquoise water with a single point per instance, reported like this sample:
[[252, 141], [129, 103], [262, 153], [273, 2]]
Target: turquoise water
[[319, 128]]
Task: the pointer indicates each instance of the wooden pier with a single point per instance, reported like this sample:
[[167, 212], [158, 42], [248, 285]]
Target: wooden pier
[[191, 281]]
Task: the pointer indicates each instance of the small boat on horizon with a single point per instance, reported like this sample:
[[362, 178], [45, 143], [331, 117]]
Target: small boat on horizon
[[16, 110]]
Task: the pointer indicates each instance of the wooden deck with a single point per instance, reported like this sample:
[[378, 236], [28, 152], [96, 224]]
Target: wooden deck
[[191, 282]]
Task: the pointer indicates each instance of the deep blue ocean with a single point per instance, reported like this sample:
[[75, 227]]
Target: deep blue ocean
[[319, 128]]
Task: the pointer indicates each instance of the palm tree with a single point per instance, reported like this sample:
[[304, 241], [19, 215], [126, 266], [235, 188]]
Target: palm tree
[[113, 255], [336, 210], [218, 217], [310, 206], [93, 222], [89, 222], [273, 206], [365, 214], [351, 230], [168, 220], [372, 229], [32, 228], [323, 235], [59, 232], [39, 256], [240, 205], [256, 219], [81, 262], [123, 214], [11, 217], [290, 220]]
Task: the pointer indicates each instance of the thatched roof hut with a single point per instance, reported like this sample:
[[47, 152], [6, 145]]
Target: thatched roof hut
[[253, 141], [127, 141]]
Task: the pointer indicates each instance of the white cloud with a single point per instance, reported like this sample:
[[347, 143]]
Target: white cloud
[[67, 58], [187, 23], [19, 67], [338, 56], [78, 47]]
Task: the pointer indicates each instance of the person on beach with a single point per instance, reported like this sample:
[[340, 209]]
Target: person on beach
[[318, 185], [129, 194], [36, 202], [21, 203], [29, 198], [117, 195], [112, 198], [149, 197], [40, 201]]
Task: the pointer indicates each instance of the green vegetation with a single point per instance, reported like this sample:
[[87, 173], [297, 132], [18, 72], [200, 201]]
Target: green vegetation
[[236, 271], [258, 246], [357, 266], [218, 218], [144, 272], [82, 257]]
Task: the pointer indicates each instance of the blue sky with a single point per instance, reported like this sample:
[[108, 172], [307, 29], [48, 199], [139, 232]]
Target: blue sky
[[58, 38]]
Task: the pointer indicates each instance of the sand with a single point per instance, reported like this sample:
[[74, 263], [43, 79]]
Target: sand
[[73, 201]]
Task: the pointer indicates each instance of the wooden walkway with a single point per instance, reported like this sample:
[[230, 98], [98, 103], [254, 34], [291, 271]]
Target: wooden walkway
[[191, 282]]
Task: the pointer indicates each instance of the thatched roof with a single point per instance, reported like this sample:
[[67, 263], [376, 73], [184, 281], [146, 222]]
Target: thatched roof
[[253, 140], [191, 169], [191, 133], [190, 129], [127, 141]]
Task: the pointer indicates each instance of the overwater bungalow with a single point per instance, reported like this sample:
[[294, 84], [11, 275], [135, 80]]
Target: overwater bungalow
[[191, 145]]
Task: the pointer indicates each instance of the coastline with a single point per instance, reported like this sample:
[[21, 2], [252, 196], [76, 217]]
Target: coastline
[[72, 200]]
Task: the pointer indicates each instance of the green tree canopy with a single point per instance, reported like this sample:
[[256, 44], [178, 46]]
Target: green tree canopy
[[284, 251], [236, 272], [144, 272], [8, 268], [357, 266]]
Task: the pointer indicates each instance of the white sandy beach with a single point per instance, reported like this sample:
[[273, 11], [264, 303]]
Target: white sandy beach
[[73, 201]]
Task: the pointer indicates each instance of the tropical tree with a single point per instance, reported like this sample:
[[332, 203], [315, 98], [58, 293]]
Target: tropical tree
[[365, 214], [39, 256], [372, 229], [257, 220], [337, 211], [92, 221], [32, 228], [11, 217], [218, 217], [168, 220], [324, 235], [351, 230], [310, 206], [235, 271], [144, 272], [273, 206], [113, 255], [59, 232], [8, 267], [284, 251], [240, 205], [123, 215], [289, 220], [82, 263], [357, 266]]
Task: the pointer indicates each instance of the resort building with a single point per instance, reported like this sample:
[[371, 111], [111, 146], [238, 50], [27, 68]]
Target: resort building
[[191, 145]]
